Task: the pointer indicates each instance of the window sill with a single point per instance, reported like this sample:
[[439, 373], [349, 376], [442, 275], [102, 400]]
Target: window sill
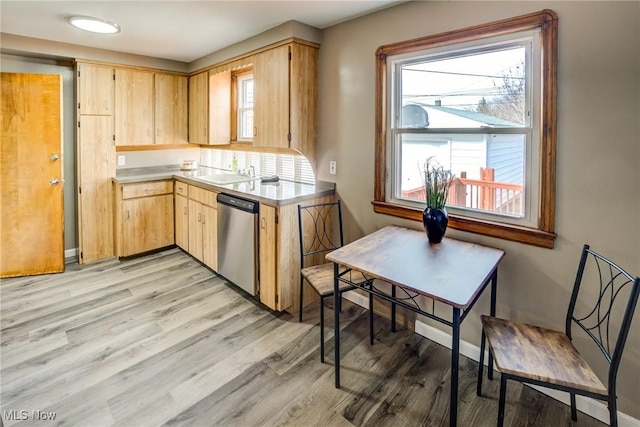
[[529, 236]]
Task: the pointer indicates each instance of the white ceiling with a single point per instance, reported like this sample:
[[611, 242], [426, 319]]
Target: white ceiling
[[177, 30]]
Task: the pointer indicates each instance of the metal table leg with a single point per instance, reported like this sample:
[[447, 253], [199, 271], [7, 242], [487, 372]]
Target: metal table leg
[[455, 353], [336, 325], [492, 312], [393, 308]]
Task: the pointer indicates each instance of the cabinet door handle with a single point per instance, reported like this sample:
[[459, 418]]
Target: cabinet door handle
[[127, 214], [199, 217], [263, 223], [203, 219], [255, 131]]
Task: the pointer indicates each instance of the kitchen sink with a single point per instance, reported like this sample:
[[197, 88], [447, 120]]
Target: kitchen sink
[[227, 178]]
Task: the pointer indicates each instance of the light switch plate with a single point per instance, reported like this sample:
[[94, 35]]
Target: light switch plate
[[121, 160]]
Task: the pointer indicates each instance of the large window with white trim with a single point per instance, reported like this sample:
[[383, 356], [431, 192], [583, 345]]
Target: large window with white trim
[[481, 102]]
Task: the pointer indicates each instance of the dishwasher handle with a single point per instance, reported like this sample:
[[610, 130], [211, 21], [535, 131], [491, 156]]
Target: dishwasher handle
[[236, 202]]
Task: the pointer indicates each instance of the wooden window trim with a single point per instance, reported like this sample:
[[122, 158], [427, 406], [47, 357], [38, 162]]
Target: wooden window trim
[[234, 103], [547, 21]]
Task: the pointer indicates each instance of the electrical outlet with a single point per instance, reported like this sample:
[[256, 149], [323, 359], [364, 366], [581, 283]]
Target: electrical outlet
[[332, 167], [121, 159]]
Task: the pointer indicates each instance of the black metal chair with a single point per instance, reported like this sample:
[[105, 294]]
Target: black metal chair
[[320, 229], [548, 358]]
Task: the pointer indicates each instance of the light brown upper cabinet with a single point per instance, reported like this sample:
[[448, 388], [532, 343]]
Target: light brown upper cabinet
[[271, 98], [285, 95], [170, 109], [134, 107], [220, 108], [199, 108], [95, 90]]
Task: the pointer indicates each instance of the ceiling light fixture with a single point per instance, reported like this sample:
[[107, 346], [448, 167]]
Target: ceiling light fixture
[[94, 25]]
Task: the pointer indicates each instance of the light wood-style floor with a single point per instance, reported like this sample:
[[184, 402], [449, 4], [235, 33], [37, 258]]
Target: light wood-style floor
[[161, 340]]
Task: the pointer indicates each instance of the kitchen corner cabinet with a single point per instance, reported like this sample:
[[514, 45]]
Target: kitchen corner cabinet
[[96, 163], [199, 108], [203, 226], [280, 257], [285, 80], [144, 217], [134, 107]]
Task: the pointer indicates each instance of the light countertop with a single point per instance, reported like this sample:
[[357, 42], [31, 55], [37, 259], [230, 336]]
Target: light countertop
[[283, 192]]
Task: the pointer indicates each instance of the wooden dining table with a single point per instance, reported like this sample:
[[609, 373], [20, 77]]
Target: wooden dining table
[[452, 272]]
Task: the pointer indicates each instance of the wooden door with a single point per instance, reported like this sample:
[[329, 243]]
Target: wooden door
[[134, 107], [96, 167], [210, 236], [182, 222], [199, 108], [271, 98], [170, 109], [195, 229], [268, 257], [31, 171]]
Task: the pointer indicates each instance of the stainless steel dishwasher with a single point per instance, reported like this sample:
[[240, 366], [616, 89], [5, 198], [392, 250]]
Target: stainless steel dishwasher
[[238, 241]]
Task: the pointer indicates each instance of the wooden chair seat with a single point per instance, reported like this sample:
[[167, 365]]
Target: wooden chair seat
[[320, 277], [539, 354]]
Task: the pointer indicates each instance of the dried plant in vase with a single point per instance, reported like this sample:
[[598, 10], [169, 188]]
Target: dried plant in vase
[[437, 181]]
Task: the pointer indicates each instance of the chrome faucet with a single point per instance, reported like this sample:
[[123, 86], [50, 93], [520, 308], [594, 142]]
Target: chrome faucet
[[252, 171]]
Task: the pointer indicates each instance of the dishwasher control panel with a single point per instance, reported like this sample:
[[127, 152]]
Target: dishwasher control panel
[[238, 203]]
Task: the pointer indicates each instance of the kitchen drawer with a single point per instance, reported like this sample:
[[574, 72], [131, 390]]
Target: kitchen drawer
[[182, 188], [206, 197], [144, 189]]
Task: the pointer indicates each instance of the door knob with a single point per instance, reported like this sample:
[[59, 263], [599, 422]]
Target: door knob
[[54, 181], [54, 157]]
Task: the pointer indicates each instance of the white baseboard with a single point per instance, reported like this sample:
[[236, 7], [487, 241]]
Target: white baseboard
[[591, 407], [70, 255]]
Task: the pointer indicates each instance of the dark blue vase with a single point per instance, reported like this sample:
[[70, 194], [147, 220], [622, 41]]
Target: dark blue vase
[[435, 223]]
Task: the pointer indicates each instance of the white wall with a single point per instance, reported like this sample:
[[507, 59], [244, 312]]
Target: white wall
[[598, 168]]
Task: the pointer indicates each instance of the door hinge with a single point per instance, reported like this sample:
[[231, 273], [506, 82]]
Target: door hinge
[[114, 76], [276, 298], [78, 123], [289, 56], [289, 136], [276, 219], [81, 255], [79, 190], [78, 105], [78, 73]]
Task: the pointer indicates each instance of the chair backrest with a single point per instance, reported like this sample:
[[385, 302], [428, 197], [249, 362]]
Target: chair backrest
[[320, 227], [608, 310]]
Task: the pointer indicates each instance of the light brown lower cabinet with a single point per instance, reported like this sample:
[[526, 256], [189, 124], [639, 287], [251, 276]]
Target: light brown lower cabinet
[[181, 202], [280, 256], [203, 225], [144, 217]]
